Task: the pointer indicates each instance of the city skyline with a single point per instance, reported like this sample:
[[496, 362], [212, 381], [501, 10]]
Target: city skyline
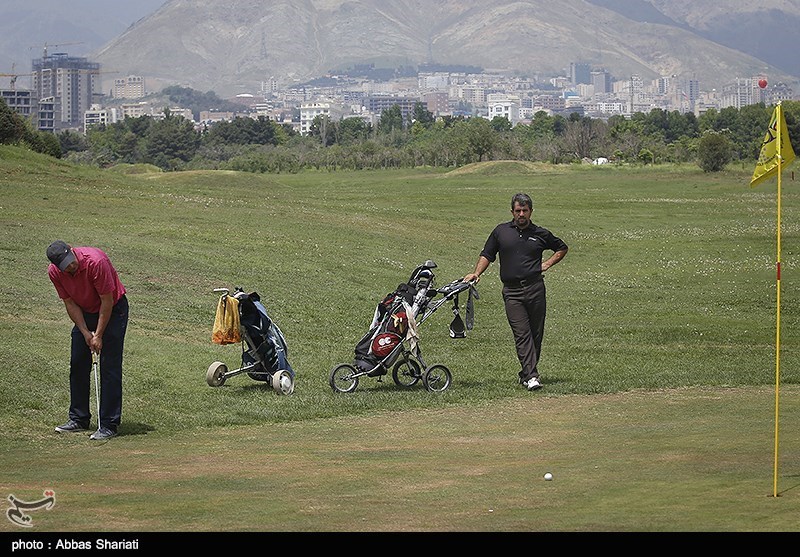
[[261, 42], [63, 97], [584, 86]]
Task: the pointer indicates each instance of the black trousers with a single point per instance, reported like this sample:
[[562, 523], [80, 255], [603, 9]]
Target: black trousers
[[526, 307], [80, 369]]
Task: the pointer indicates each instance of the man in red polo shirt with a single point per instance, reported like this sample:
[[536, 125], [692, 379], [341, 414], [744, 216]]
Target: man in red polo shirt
[[95, 299]]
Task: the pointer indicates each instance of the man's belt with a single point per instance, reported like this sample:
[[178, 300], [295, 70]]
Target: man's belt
[[524, 282]]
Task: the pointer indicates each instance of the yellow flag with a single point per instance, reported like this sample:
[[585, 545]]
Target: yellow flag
[[767, 165]]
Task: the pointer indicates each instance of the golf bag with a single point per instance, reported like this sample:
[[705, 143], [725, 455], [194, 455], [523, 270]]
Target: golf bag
[[388, 329], [267, 349], [394, 320], [264, 349]]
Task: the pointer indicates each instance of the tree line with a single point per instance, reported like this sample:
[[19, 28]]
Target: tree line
[[173, 143]]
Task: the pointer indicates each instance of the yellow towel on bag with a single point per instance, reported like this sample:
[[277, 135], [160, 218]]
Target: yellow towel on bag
[[226, 321]]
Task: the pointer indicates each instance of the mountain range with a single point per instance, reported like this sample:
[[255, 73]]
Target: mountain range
[[232, 47]]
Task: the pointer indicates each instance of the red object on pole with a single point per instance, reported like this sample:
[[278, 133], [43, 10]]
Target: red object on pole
[[762, 83]]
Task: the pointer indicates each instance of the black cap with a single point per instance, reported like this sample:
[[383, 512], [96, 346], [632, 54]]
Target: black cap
[[60, 254]]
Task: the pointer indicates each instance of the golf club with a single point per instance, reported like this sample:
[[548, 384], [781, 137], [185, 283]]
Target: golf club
[[96, 372]]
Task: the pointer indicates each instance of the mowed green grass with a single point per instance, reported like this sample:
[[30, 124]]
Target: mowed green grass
[[658, 410]]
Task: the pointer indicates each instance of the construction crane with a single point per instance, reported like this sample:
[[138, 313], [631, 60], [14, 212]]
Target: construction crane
[[13, 80], [44, 50], [13, 76], [95, 72]]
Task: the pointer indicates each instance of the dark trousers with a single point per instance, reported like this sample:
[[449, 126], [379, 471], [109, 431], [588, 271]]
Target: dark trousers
[[526, 307], [80, 369]]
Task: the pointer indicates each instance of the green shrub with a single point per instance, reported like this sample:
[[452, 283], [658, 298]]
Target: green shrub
[[714, 151]]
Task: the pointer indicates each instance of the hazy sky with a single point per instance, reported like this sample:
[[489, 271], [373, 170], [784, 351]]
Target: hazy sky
[[81, 26]]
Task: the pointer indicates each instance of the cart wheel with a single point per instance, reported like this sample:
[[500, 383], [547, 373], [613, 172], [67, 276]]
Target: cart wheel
[[282, 382], [406, 373], [215, 376], [437, 378], [343, 378]]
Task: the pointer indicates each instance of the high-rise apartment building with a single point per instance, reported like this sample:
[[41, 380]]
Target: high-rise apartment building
[[46, 117], [549, 102], [309, 111], [580, 72], [131, 87], [738, 93], [269, 87], [601, 80], [663, 85], [437, 103], [692, 93], [20, 101], [71, 81], [693, 90], [379, 103]]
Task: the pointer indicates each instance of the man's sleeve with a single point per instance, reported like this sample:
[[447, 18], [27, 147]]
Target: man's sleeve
[[554, 242], [491, 247], [52, 272], [102, 274]]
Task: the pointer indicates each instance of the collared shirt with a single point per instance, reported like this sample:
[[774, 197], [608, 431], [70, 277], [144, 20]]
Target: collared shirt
[[95, 276], [520, 250]]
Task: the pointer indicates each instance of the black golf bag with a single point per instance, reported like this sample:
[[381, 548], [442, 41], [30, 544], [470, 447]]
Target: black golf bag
[[266, 345]]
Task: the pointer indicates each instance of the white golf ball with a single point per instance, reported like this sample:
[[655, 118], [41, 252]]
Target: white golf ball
[[548, 476]]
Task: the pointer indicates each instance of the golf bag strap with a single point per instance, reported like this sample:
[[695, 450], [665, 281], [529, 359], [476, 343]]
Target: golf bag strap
[[473, 293]]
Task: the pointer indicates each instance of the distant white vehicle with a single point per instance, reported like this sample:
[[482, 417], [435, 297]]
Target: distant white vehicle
[[600, 160]]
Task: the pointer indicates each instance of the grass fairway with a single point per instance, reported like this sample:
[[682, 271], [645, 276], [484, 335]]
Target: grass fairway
[[691, 460], [658, 409]]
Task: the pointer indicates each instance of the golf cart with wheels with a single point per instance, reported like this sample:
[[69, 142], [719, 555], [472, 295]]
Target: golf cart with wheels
[[392, 341], [264, 349]]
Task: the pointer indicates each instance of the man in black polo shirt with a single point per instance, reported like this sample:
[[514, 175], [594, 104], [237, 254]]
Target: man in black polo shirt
[[520, 244]]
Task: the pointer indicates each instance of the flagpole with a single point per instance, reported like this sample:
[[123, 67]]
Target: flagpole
[[779, 121], [776, 149]]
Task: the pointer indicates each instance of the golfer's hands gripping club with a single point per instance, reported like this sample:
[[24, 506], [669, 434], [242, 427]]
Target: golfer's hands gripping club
[[96, 343]]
